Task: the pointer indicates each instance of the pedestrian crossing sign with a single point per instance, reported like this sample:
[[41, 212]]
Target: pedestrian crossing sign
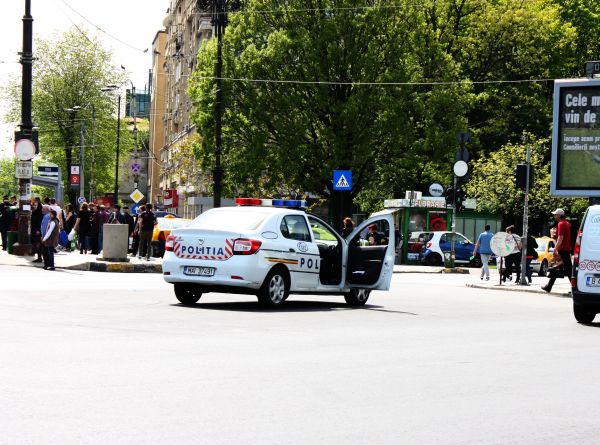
[[342, 180]]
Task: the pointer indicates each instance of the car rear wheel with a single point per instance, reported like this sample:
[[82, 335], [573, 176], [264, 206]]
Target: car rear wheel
[[583, 315], [433, 259], [275, 288], [357, 297], [476, 262], [543, 269], [187, 293]]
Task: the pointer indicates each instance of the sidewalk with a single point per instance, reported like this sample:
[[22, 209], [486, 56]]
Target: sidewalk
[[87, 262], [562, 287]]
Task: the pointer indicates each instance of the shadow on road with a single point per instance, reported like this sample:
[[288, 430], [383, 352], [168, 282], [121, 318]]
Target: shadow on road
[[289, 306]]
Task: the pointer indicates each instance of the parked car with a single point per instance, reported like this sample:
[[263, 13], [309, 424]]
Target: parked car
[[416, 242], [163, 229], [585, 284], [440, 243], [545, 251]]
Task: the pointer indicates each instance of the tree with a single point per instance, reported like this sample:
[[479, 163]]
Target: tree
[[322, 105], [70, 71], [493, 183]]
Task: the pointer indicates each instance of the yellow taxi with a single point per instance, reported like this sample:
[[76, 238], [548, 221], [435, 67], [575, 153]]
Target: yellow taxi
[[545, 252], [165, 224]]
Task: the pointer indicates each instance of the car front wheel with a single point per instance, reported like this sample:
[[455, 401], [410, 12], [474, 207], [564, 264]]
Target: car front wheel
[[433, 259], [583, 315], [187, 294], [357, 297], [275, 289]]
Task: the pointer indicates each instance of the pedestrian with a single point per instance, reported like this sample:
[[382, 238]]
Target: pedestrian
[[5, 221], [135, 236], [54, 206], [146, 223], [103, 219], [513, 260], [44, 226], [36, 228], [83, 227], [50, 240], [483, 245], [348, 227], [94, 229], [130, 224], [530, 255], [116, 217], [373, 236], [563, 247]]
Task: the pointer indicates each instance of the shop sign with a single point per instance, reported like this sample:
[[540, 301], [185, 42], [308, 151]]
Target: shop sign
[[425, 202]]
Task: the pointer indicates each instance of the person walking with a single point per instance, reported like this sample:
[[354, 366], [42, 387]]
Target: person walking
[[348, 227], [147, 221], [103, 219], [483, 246], [563, 247], [50, 240], [130, 225], [116, 217]]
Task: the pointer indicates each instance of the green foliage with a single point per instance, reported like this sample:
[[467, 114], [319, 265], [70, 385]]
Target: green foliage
[[70, 70], [8, 184], [493, 183]]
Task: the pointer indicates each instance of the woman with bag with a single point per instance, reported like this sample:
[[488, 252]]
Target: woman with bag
[[513, 260], [36, 228]]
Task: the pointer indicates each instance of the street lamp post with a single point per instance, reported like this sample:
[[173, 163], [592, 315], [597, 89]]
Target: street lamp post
[[116, 193]]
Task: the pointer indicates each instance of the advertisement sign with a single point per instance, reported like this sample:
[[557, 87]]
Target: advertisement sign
[[171, 199], [576, 138]]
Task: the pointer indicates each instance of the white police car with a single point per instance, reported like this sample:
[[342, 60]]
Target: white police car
[[270, 248]]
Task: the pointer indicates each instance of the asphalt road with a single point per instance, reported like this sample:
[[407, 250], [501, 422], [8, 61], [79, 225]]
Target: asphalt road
[[93, 358]]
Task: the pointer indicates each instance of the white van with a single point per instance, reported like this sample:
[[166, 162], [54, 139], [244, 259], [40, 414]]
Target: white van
[[586, 268]]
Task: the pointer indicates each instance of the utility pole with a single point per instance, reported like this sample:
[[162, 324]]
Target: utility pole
[[92, 184], [23, 245], [219, 20], [523, 281], [116, 193], [452, 249], [81, 158]]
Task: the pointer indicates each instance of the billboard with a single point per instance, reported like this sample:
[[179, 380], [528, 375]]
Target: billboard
[[576, 138]]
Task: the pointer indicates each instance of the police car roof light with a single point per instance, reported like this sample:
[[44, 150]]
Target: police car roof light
[[288, 203], [248, 201]]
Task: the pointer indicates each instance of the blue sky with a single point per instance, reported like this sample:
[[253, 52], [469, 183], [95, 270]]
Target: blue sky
[[128, 27]]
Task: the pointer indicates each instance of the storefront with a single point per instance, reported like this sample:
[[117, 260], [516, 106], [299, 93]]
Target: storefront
[[413, 217]]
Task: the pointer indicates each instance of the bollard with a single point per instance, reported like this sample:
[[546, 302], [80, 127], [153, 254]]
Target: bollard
[[115, 242], [11, 239]]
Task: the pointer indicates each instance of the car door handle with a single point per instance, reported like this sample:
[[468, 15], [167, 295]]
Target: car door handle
[[292, 250]]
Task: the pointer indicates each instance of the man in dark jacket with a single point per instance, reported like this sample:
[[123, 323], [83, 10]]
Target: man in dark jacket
[[5, 221], [146, 223]]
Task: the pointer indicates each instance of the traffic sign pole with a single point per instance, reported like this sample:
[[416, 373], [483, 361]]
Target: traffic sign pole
[[523, 281]]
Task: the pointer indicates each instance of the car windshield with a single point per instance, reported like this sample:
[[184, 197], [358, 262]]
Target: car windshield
[[172, 223], [231, 220], [541, 245]]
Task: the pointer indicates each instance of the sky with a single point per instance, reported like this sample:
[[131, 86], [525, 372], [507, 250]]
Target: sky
[[127, 27]]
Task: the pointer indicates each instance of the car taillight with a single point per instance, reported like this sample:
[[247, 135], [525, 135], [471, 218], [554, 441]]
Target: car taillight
[[577, 249], [169, 243], [243, 246], [161, 236]]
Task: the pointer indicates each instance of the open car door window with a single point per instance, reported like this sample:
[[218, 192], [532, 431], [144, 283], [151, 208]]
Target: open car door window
[[370, 255]]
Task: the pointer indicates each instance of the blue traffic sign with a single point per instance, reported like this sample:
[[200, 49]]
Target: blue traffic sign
[[134, 209], [135, 167], [81, 200], [342, 179]]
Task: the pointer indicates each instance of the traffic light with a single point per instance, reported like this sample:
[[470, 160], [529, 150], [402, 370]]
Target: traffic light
[[521, 176], [460, 200], [449, 195]]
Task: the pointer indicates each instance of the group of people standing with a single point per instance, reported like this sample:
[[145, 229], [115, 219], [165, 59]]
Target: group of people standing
[[512, 262]]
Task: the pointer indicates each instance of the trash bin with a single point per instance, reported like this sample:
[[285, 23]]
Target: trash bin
[[12, 238]]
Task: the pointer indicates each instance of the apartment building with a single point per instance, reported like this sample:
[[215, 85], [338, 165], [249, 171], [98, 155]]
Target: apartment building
[[175, 50]]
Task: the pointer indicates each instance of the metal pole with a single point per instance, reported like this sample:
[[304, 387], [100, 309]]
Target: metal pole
[[81, 159], [93, 153], [218, 170], [23, 245], [525, 221], [116, 193], [452, 251]]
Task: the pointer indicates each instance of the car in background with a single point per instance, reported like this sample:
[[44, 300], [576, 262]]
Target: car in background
[[163, 228], [164, 213], [545, 250], [437, 244]]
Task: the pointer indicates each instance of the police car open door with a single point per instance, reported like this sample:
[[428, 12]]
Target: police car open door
[[371, 252]]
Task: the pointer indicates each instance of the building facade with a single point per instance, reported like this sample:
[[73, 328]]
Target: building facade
[[176, 49]]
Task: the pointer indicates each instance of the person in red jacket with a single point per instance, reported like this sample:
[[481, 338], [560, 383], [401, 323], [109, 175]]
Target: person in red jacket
[[563, 246]]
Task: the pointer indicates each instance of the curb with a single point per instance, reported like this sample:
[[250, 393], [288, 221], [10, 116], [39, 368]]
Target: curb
[[116, 267], [519, 289], [459, 270]]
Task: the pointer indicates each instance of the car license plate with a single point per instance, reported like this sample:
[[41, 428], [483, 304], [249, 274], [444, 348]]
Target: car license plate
[[592, 281], [199, 271]]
